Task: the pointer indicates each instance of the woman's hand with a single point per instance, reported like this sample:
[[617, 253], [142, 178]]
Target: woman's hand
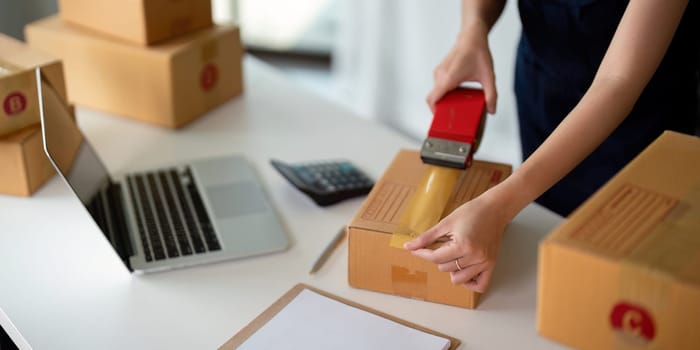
[[474, 231], [469, 60]]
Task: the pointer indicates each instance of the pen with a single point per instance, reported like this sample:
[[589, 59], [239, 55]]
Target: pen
[[328, 250]]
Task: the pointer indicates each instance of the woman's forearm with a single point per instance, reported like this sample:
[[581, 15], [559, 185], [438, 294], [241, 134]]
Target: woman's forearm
[[637, 48], [481, 13]]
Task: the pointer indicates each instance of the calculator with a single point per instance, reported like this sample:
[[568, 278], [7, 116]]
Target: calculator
[[326, 182]]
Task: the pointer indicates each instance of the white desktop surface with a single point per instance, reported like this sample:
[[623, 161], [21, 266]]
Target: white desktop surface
[[64, 288]]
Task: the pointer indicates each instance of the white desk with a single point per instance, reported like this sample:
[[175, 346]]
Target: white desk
[[64, 288]]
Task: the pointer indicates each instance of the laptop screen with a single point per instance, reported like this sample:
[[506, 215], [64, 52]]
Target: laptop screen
[[77, 162], [68, 149]]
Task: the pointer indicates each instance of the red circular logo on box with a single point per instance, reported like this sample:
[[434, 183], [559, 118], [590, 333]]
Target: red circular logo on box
[[14, 103], [209, 76], [632, 320]]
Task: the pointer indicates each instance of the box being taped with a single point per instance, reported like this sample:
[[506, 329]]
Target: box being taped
[[374, 265], [139, 21], [169, 84], [18, 98], [624, 270]]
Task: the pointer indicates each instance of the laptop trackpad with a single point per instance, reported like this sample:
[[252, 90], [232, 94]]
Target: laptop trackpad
[[222, 171], [236, 199]]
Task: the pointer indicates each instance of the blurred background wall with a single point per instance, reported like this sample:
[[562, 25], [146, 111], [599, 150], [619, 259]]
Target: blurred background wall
[[14, 14], [375, 57]]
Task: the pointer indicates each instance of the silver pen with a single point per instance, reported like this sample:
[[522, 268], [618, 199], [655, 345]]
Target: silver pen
[[328, 250]]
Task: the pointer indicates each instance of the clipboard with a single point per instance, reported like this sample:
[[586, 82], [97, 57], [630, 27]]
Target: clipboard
[[247, 331]]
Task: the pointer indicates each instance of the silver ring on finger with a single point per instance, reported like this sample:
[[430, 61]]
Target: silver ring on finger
[[459, 268]]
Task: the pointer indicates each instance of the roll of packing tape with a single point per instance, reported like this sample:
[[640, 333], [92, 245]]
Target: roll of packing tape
[[426, 205]]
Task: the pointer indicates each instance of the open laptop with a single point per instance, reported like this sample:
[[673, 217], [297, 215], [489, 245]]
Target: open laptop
[[204, 211]]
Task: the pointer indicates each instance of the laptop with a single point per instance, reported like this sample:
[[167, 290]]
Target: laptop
[[10, 337], [204, 211]]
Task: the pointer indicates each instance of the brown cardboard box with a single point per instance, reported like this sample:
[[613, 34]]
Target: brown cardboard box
[[25, 166], [18, 99], [623, 271], [169, 85], [374, 265], [142, 22]]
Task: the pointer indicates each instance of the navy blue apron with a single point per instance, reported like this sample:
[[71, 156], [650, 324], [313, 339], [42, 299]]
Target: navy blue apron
[[561, 46]]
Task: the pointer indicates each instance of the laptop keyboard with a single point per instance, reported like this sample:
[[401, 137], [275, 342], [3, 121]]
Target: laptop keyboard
[[170, 214]]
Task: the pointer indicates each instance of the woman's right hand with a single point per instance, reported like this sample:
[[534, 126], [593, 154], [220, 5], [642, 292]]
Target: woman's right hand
[[473, 234], [468, 60]]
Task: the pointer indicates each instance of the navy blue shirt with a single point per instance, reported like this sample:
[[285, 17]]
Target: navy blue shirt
[[560, 50]]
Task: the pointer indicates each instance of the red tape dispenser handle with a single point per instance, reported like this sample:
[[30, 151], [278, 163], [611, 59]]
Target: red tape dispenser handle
[[458, 122]]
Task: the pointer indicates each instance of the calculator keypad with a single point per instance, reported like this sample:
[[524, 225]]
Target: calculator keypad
[[326, 182], [335, 176]]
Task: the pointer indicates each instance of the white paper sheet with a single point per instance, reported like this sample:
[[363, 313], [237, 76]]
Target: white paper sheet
[[313, 321]]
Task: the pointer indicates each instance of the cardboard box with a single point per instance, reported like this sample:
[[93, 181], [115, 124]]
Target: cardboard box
[[169, 85], [18, 98], [25, 166], [623, 271], [374, 265], [142, 22]]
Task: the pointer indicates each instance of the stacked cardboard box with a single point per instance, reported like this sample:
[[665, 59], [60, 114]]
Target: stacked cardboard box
[[18, 94], [623, 271], [25, 167], [143, 22], [373, 264], [192, 67]]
